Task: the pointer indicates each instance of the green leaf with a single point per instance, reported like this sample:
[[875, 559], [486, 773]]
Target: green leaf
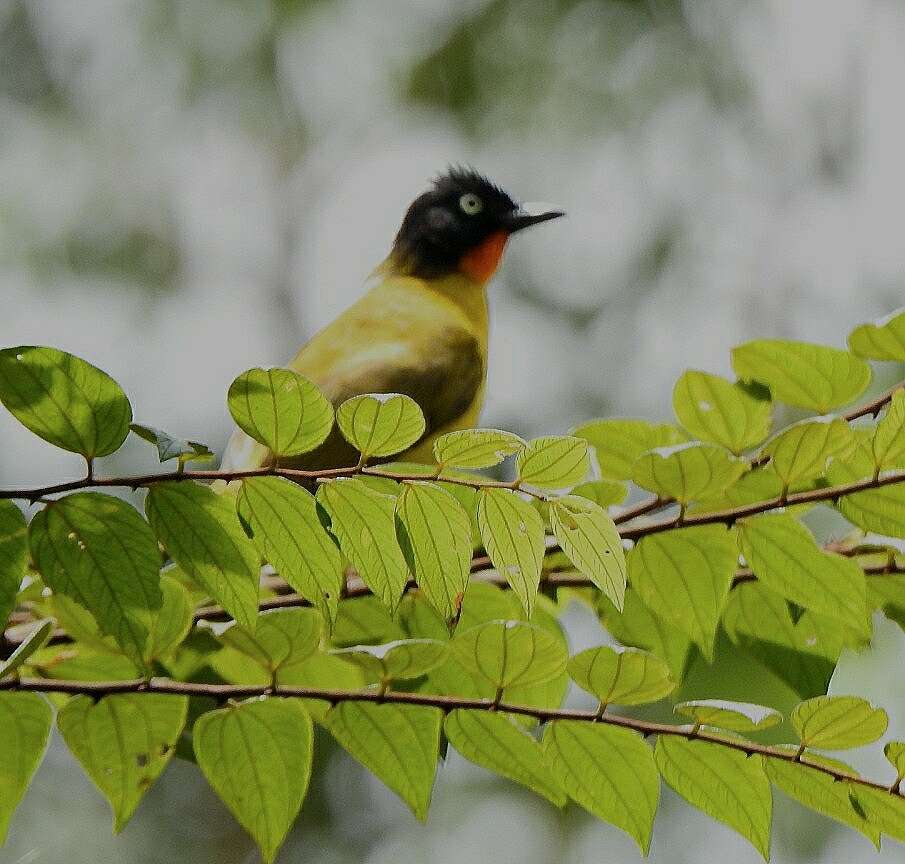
[[688, 471], [321, 671], [286, 530], [64, 400], [684, 577], [889, 437], [123, 742], [885, 811], [894, 751], [438, 532], [13, 556], [608, 771], [363, 521], [513, 535], [475, 448], [602, 492], [172, 622], [496, 742], [624, 676], [396, 661], [820, 792], [485, 602], [802, 653], [838, 722], [799, 373], [98, 550], [592, 543], [884, 340], [257, 757], [281, 637], [380, 424], [619, 443], [25, 719], [169, 447], [36, 640], [510, 653], [803, 451], [726, 784], [735, 716], [201, 532], [636, 626], [553, 462], [398, 743], [783, 554], [714, 409], [281, 410]]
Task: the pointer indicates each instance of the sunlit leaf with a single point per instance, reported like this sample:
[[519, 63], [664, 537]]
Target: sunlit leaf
[[123, 742], [618, 443], [380, 424], [257, 757], [396, 661], [363, 521], [201, 532], [13, 556], [608, 771], [884, 340], [64, 400], [513, 535], [400, 744], [688, 471], [169, 447], [783, 554], [735, 716], [726, 784], [889, 437], [475, 448], [171, 623], [553, 462], [286, 529], [280, 409], [624, 676], [885, 812], [684, 577], [714, 409], [799, 373], [438, 532], [894, 751], [98, 550], [495, 742], [838, 722], [803, 451], [25, 719], [602, 492], [510, 653]]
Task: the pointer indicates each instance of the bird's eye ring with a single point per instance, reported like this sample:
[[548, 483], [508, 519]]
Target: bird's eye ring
[[470, 203]]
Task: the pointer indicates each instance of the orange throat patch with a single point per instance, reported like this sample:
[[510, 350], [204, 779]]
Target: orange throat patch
[[481, 262]]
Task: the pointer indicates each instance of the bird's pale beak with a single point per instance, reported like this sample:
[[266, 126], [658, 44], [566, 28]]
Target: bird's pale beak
[[530, 214]]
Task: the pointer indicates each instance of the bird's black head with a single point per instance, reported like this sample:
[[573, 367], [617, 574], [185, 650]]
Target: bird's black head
[[460, 225]]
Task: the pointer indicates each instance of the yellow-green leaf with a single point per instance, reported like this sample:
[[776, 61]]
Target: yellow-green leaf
[[285, 528], [726, 784], [13, 555], [608, 771], [802, 451], [363, 521], [888, 444], [591, 541], [281, 410], [799, 373], [884, 340], [64, 400], [885, 812], [838, 722], [602, 492], [380, 424], [688, 471], [396, 661], [741, 717], [257, 757], [202, 533], [123, 742], [894, 751], [475, 448], [496, 742], [714, 409], [553, 462], [624, 676], [513, 535], [618, 443], [400, 744]]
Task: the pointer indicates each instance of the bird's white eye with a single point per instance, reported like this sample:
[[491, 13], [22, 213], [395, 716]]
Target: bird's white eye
[[471, 204]]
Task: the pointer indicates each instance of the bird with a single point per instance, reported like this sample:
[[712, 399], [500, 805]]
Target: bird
[[422, 327]]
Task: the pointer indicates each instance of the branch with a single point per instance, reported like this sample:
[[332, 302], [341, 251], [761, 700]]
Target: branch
[[223, 692]]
